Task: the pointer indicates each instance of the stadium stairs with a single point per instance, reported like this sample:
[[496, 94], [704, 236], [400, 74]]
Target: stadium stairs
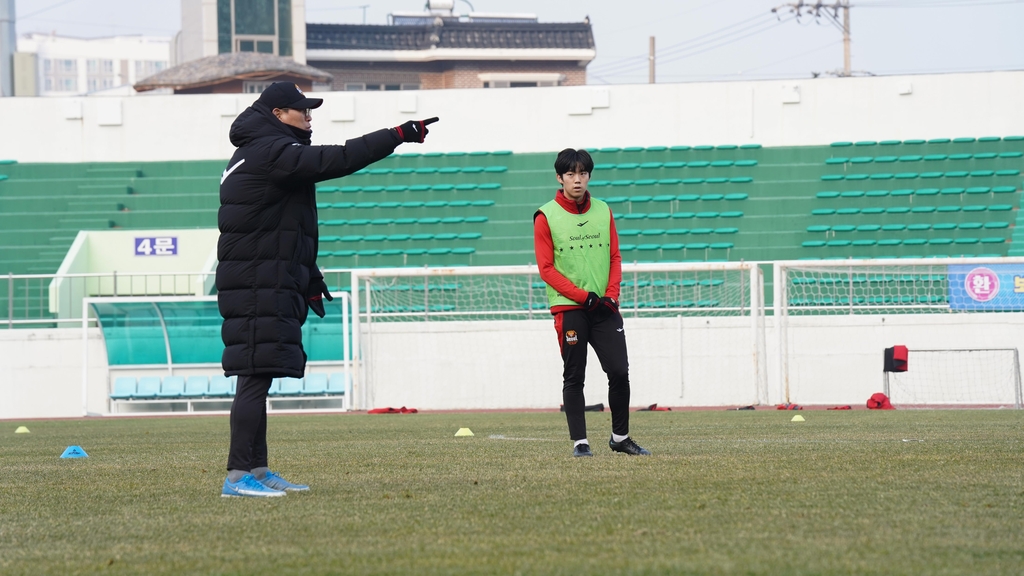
[[870, 199]]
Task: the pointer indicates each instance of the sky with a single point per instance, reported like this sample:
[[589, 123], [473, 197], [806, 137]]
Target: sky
[[696, 40]]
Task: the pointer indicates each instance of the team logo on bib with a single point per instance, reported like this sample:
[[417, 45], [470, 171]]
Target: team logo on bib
[[571, 338]]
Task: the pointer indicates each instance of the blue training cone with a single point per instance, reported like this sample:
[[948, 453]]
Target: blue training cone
[[74, 452]]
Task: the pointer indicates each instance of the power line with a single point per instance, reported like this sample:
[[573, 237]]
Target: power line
[[48, 8], [830, 12], [690, 43]]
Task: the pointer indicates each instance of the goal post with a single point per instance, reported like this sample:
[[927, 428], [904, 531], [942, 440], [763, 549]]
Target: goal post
[[833, 319], [467, 337], [980, 378]]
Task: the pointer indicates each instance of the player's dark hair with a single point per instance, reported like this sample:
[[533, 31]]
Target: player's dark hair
[[570, 160]]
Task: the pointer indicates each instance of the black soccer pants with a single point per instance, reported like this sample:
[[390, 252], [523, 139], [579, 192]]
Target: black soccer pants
[[249, 424], [604, 332]]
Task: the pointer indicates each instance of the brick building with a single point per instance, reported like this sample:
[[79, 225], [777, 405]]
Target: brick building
[[429, 52]]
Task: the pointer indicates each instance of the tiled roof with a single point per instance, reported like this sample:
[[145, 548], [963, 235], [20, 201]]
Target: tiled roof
[[467, 35], [216, 69]]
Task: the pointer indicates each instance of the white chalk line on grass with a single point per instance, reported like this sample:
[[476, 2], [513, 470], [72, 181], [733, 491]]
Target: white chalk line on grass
[[522, 439]]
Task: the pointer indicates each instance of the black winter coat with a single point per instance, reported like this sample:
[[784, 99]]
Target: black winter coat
[[268, 236]]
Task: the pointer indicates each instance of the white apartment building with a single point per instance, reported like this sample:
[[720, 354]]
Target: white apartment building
[[50, 65]]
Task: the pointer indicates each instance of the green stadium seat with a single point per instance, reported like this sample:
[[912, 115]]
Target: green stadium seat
[[684, 214], [989, 139], [848, 211], [926, 192], [865, 143], [452, 220], [391, 252], [985, 155], [476, 169], [717, 180], [993, 240], [415, 251], [672, 246], [936, 157], [446, 236], [818, 228], [841, 144], [656, 148], [1000, 208], [919, 227], [328, 189], [727, 230], [419, 187], [823, 211], [974, 208], [458, 203], [950, 174], [463, 250], [948, 209], [901, 192], [864, 242], [352, 238], [645, 182], [970, 225], [939, 141], [652, 232], [373, 188], [323, 205], [952, 191], [676, 164], [868, 228], [813, 243], [1011, 154], [320, 253], [923, 209], [1004, 189], [435, 204], [648, 247], [852, 194], [984, 173], [412, 204], [915, 242], [329, 238], [711, 197], [707, 214], [336, 222], [367, 252], [640, 198], [941, 241], [366, 205], [945, 226], [670, 181], [890, 242], [359, 222], [966, 241], [622, 182], [469, 235], [387, 205], [731, 214], [699, 164], [872, 210], [429, 220], [910, 158], [861, 160], [963, 140], [843, 228], [382, 221], [702, 231], [449, 170], [885, 159], [677, 231], [664, 198], [741, 179], [996, 225], [659, 215], [650, 165], [405, 221], [837, 243], [746, 163], [697, 246], [627, 247], [721, 245], [634, 216], [489, 186], [693, 180], [465, 187], [837, 160], [897, 210], [402, 171], [398, 237], [688, 197]]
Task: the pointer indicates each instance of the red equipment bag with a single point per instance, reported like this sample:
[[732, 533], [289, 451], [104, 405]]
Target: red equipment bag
[[879, 401], [896, 359]]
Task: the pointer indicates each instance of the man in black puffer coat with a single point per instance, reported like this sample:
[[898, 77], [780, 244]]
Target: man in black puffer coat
[[267, 277]]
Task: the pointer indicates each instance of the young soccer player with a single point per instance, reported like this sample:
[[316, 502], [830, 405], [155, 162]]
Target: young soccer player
[[578, 255]]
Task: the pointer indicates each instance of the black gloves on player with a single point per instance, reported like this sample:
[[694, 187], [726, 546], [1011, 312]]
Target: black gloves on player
[[595, 304], [415, 130], [611, 303], [315, 296]]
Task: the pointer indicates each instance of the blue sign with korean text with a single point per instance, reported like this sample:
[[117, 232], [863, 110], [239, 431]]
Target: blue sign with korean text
[[159, 246], [986, 287]]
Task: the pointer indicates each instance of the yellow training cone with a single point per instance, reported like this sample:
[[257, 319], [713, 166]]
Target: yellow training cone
[[797, 418], [21, 430], [464, 432]]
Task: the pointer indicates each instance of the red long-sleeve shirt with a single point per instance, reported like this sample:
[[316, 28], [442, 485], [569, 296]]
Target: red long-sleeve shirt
[[544, 247]]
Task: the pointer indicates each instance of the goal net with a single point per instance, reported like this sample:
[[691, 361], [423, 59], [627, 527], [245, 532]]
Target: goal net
[[482, 337], [957, 378], [833, 319]]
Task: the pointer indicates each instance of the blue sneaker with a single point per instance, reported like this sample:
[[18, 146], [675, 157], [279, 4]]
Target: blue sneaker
[[275, 482], [248, 486]]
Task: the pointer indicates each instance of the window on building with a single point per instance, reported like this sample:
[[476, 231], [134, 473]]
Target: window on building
[[255, 87], [146, 68], [360, 86], [60, 75], [521, 79], [99, 75], [263, 26]]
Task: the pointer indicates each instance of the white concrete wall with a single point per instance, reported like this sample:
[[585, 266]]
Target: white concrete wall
[[163, 127], [834, 360]]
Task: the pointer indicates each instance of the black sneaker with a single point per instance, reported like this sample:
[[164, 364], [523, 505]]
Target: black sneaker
[[627, 446], [581, 450]]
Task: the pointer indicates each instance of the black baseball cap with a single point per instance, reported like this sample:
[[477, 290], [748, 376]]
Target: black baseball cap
[[288, 95]]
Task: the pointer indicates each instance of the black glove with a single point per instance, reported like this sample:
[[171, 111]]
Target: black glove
[[415, 130], [611, 304], [315, 297], [592, 303]]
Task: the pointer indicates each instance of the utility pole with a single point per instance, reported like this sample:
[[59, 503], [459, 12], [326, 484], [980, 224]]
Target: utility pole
[[830, 12], [650, 62], [846, 38]]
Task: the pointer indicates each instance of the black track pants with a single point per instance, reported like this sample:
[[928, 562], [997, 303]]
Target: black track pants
[[249, 424], [604, 332]]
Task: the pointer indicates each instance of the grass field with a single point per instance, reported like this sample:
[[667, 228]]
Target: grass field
[[921, 492]]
